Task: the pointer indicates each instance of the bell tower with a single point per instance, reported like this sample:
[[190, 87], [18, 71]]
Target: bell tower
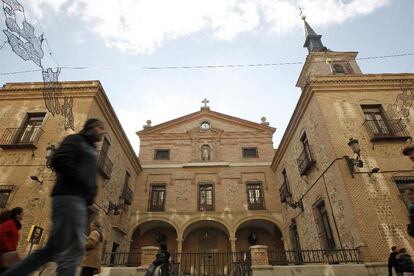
[[321, 61]]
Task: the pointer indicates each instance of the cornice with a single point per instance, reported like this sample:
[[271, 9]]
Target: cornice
[[112, 119], [200, 114], [206, 164]]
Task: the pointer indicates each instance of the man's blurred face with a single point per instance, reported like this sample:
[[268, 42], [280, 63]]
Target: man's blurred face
[[98, 132], [411, 155], [410, 195]]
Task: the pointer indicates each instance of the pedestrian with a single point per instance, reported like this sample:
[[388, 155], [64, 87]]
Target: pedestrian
[[405, 265], [392, 260], [91, 263], [162, 260], [409, 194], [75, 189], [9, 236]]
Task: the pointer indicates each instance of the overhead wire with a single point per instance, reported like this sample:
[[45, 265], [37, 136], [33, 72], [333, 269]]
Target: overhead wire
[[200, 66]]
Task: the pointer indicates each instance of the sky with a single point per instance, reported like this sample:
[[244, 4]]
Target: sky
[[116, 40]]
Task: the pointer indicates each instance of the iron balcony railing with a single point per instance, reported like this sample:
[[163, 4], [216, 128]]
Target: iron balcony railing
[[127, 195], [387, 129], [21, 137], [305, 160], [105, 165], [331, 256], [121, 259], [284, 192]]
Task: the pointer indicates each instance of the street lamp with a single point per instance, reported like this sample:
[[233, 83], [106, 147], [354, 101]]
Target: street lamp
[[50, 150], [293, 204], [354, 162]]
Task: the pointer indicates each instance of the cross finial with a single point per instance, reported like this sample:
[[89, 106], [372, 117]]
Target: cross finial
[[205, 102]]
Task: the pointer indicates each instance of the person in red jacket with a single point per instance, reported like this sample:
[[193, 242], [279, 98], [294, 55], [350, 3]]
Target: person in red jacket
[[9, 230]]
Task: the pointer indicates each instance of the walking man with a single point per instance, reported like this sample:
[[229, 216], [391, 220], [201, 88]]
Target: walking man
[[392, 260], [74, 190]]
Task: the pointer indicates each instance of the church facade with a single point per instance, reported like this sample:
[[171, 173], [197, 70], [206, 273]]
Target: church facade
[[207, 185]]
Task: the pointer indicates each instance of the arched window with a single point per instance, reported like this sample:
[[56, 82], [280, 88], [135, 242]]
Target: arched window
[[338, 69]]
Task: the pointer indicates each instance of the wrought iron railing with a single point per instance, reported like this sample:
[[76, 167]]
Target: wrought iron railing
[[20, 137], [212, 263], [105, 165], [333, 256], [305, 160], [121, 259], [127, 195], [387, 129]]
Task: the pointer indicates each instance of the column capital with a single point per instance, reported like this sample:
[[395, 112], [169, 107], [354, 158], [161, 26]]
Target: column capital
[[232, 239], [179, 239]]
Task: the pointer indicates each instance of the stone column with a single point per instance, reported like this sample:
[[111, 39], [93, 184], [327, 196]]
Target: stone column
[[364, 252], [179, 248], [233, 247], [259, 255], [148, 254]]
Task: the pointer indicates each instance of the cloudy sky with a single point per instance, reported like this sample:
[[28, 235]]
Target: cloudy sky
[[115, 40]]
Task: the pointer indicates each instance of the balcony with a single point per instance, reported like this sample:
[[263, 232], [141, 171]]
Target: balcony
[[127, 195], [305, 160], [284, 192], [387, 130], [27, 137], [105, 165]]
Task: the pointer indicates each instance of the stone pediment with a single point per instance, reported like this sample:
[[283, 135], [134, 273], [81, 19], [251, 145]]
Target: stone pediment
[[191, 125]]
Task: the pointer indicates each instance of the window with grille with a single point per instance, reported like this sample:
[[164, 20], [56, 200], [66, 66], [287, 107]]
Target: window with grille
[[30, 128], [250, 152], [323, 226], [162, 154], [205, 197], [375, 119], [157, 198], [255, 196], [5, 191], [402, 182]]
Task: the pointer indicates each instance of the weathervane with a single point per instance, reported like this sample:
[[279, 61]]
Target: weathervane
[[28, 46]]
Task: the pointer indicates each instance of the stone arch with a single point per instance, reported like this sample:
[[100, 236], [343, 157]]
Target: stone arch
[[153, 232], [258, 231], [186, 226], [166, 220], [206, 235]]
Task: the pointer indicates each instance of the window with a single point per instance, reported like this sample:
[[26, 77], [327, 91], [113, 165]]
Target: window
[[105, 164], [255, 196], [402, 182], [157, 198], [30, 128], [295, 243], [305, 159], [380, 127], [205, 197], [5, 191], [162, 154], [342, 68], [250, 152], [324, 228], [126, 191], [26, 135], [284, 190]]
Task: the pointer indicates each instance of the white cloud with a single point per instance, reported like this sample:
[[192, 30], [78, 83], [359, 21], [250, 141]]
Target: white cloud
[[142, 26]]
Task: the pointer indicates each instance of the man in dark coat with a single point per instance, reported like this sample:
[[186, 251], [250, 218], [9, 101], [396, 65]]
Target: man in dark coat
[[392, 260], [163, 259], [75, 188], [409, 191]]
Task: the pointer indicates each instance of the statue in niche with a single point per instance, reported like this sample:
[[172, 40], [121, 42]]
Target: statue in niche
[[205, 153]]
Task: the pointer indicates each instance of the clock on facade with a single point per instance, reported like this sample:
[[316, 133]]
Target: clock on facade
[[205, 125]]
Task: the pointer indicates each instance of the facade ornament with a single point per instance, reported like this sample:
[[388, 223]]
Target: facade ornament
[[148, 125], [205, 102], [264, 122]]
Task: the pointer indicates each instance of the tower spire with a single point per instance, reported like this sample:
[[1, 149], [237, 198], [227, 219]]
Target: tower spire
[[313, 40]]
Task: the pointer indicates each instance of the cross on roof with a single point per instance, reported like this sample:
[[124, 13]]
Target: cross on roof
[[205, 102]]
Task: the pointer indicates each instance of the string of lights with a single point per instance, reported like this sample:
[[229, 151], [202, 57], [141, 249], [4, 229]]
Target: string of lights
[[200, 66]]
